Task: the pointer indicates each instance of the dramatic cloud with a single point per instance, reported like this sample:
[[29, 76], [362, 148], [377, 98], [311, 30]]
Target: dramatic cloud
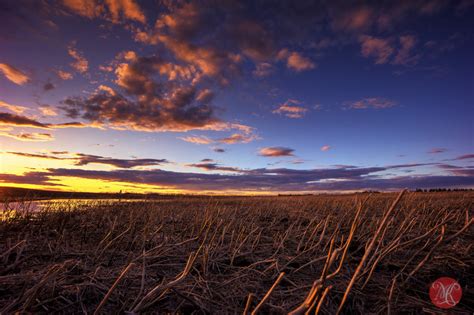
[[276, 151], [13, 74], [80, 64], [291, 109], [372, 102], [24, 136], [278, 179], [17, 109]]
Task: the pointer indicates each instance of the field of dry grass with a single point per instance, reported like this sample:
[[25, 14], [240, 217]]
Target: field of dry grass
[[353, 254]]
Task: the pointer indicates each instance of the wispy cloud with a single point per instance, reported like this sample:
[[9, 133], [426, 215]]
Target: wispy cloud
[[291, 109], [17, 109], [80, 64], [371, 102], [197, 139], [325, 148], [13, 74], [27, 136], [437, 150], [81, 159]]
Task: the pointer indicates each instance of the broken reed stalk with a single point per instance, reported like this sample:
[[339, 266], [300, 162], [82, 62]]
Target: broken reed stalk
[[112, 288], [249, 303], [267, 295], [321, 300], [156, 292], [368, 250]]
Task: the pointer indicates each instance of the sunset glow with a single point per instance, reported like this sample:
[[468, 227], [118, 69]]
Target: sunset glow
[[236, 97]]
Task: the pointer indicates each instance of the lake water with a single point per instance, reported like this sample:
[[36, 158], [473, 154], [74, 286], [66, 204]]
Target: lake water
[[7, 210]]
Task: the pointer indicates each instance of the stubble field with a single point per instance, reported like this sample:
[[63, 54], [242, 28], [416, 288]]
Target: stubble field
[[352, 254]]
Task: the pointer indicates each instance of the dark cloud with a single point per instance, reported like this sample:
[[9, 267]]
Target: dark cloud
[[219, 150], [48, 86], [19, 120], [81, 159], [464, 157], [30, 178], [215, 167], [84, 159], [437, 150], [280, 179], [150, 104], [23, 121]]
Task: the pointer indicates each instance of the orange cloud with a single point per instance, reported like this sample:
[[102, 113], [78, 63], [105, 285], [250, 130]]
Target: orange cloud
[[295, 61], [47, 111], [64, 75], [238, 138], [35, 137], [17, 109], [129, 8], [86, 8], [197, 139], [80, 64], [13, 74]]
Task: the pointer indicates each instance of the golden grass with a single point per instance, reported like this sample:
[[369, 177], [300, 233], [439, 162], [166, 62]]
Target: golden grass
[[352, 254]]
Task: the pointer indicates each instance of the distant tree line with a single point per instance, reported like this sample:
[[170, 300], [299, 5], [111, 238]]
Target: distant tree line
[[443, 189]]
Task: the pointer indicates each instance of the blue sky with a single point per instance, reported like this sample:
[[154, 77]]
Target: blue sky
[[382, 92]]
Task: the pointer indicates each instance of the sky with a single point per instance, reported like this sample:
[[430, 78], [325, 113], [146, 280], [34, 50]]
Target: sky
[[236, 97]]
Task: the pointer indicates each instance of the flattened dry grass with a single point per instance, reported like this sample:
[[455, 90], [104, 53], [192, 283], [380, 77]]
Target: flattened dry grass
[[353, 254]]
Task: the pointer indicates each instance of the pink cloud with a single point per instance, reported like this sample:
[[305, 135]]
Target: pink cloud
[[13, 74], [378, 48]]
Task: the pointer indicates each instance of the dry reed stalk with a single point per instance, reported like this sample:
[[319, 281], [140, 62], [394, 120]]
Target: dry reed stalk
[[112, 288], [267, 295], [156, 292], [368, 250]]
